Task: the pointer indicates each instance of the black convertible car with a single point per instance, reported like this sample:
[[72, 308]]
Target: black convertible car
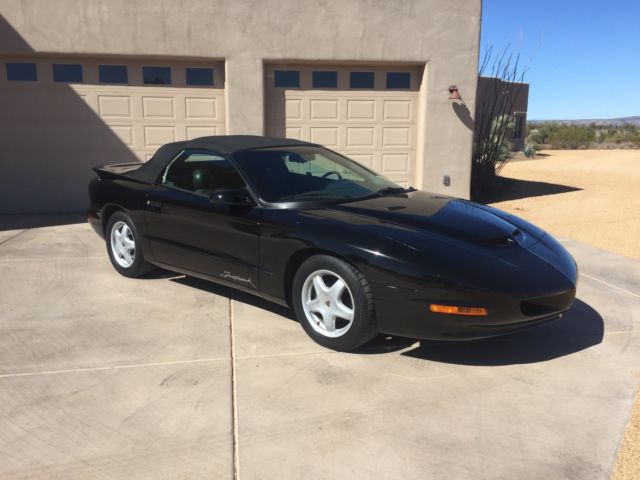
[[353, 253]]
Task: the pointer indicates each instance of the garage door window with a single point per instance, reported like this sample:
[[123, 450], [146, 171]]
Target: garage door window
[[156, 75], [398, 80], [21, 72], [200, 76], [286, 78], [361, 80], [67, 73], [113, 74], [322, 79]]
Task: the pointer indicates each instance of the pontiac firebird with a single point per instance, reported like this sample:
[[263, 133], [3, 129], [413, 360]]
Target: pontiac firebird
[[351, 252]]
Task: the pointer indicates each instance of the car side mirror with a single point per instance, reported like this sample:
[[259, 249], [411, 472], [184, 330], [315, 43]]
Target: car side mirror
[[238, 197]]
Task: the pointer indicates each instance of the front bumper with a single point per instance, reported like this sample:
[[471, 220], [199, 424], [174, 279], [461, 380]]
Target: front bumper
[[407, 314], [520, 290]]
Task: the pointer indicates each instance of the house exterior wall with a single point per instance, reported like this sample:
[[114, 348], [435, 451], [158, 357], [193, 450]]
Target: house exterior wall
[[507, 98], [439, 36]]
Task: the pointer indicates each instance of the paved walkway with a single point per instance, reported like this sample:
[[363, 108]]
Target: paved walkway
[[104, 377]]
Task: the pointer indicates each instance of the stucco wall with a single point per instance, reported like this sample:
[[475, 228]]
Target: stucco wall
[[497, 97], [441, 34]]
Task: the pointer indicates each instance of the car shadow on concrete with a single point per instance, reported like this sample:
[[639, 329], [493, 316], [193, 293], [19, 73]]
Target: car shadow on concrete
[[580, 328], [15, 221], [236, 295]]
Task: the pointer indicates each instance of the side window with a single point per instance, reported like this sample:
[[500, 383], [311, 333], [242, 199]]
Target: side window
[[202, 173]]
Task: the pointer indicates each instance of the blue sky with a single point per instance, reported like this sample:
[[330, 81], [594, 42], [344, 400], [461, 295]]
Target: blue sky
[[583, 56]]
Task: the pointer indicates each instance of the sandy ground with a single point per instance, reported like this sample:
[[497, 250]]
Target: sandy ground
[[592, 196]]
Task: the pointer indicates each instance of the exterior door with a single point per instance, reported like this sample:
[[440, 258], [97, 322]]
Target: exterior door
[[188, 231], [59, 116], [368, 113]]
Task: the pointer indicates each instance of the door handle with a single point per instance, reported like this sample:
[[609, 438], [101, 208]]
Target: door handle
[[153, 206]]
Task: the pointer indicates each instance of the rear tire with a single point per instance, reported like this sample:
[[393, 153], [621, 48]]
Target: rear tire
[[333, 303], [123, 246]]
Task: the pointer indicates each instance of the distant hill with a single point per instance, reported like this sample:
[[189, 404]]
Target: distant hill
[[612, 122]]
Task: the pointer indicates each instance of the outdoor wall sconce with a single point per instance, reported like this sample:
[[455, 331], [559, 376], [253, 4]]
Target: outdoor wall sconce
[[454, 94]]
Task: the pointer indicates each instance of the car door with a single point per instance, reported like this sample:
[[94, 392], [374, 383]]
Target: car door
[[187, 230]]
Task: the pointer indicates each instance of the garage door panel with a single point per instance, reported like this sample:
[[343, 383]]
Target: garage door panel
[[359, 110], [396, 137], [110, 106], [201, 131], [365, 159], [328, 136], [324, 109], [395, 163], [358, 137], [201, 108], [293, 109], [124, 133], [397, 110], [376, 126], [158, 107], [293, 132], [156, 136]]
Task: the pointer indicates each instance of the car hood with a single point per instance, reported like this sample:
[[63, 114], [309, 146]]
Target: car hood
[[431, 214]]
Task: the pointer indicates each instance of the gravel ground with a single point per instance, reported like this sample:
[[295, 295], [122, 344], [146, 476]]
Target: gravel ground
[[592, 196]]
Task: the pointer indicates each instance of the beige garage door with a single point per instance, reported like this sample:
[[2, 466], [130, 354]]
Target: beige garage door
[[61, 116], [366, 113]]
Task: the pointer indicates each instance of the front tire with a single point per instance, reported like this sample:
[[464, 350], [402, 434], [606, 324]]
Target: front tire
[[123, 246], [333, 303]]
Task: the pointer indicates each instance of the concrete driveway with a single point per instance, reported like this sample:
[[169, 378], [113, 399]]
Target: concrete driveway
[[103, 377]]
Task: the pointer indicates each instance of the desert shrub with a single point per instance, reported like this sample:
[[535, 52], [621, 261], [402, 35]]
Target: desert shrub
[[571, 137], [534, 140], [494, 124], [567, 136]]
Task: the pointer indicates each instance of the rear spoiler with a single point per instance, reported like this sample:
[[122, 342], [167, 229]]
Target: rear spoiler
[[116, 170]]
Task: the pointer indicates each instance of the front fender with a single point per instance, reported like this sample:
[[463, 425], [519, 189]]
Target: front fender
[[376, 250]]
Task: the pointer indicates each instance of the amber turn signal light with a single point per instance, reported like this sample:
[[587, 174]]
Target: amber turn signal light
[[453, 310]]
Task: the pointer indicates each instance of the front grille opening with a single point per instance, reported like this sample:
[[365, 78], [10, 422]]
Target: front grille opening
[[535, 309], [549, 304]]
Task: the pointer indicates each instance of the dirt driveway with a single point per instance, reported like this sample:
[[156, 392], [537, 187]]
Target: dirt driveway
[[592, 196]]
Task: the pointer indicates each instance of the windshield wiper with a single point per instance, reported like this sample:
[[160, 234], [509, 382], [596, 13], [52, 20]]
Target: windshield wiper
[[394, 190], [302, 196]]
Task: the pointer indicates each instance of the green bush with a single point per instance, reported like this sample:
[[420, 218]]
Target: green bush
[[566, 136], [571, 137]]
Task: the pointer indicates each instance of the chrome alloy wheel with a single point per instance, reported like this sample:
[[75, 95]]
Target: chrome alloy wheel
[[123, 246], [327, 303]]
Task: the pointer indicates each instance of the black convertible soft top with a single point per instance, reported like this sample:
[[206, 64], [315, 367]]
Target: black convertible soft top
[[224, 144]]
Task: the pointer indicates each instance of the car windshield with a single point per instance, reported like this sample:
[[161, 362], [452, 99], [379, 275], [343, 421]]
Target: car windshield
[[300, 173]]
